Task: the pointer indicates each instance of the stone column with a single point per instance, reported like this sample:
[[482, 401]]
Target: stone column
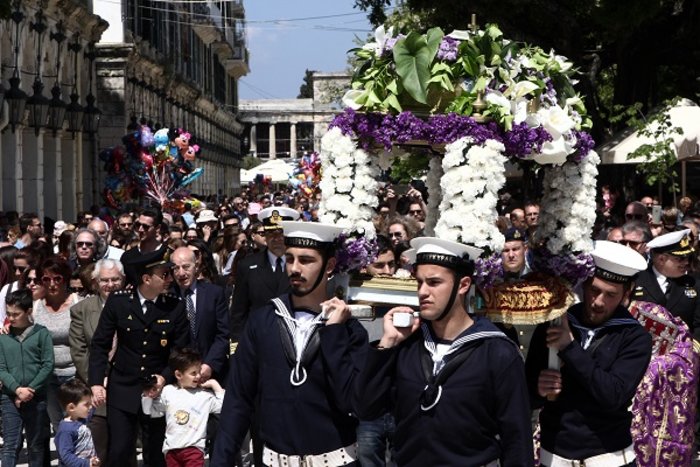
[[52, 153], [12, 153], [68, 175], [33, 171], [272, 144], [254, 139], [293, 139]]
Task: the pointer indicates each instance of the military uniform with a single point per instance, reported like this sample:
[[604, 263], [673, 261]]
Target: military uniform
[[144, 343]]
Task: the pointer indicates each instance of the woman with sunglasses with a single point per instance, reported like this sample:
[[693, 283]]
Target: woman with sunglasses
[[18, 263], [53, 312]]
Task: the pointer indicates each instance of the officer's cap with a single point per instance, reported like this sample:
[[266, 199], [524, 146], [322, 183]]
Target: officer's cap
[[272, 217], [616, 263], [143, 263], [514, 234], [674, 243]]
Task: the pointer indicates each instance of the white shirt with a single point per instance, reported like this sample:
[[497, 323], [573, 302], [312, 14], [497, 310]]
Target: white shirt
[[186, 414], [661, 279], [273, 261]]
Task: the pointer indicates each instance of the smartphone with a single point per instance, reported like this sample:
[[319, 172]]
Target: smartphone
[[400, 190], [656, 214]]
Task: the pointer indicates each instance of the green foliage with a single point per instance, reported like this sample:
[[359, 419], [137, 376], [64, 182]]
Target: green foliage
[[405, 169], [250, 162], [306, 90], [413, 57]]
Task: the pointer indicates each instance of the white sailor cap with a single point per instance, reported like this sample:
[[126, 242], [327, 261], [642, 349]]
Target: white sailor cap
[[615, 262], [446, 253], [674, 243], [310, 234], [410, 255], [272, 216]]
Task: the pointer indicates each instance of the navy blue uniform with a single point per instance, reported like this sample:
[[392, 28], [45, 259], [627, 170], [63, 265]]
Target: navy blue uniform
[[144, 343], [313, 418], [483, 413], [590, 416]]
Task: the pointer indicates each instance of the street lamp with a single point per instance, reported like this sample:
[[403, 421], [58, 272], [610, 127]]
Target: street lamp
[[74, 111], [57, 108], [38, 104], [91, 117], [15, 97]]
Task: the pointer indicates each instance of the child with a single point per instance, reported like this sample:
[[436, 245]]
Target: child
[[26, 362], [187, 406], [73, 438]]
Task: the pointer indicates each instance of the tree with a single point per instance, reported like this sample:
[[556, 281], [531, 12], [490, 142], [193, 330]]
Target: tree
[[306, 90]]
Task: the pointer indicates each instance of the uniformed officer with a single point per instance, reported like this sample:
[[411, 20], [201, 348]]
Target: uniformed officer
[[148, 324], [585, 417], [459, 382], [299, 355], [666, 281], [514, 254]]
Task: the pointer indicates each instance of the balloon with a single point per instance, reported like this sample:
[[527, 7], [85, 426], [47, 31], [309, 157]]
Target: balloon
[[189, 178], [161, 140], [146, 139]]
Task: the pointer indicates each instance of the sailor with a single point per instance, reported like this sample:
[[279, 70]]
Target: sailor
[[604, 353], [666, 281], [299, 356], [460, 393], [148, 325]]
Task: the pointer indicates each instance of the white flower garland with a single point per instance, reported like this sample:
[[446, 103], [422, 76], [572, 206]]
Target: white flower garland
[[473, 174], [349, 184], [432, 182], [568, 206]]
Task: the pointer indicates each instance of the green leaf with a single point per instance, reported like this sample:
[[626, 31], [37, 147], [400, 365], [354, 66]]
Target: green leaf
[[413, 57], [393, 87], [392, 102], [480, 84], [433, 38]]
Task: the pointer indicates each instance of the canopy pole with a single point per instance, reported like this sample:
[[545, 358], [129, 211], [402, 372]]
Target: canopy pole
[[683, 172]]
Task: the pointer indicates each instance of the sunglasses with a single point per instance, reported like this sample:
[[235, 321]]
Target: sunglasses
[[395, 234], [138, 225], [20, 268], [163, 274], [630, 243], [78, 290], [416, 211], [54, 280], [126, 224], [638, 217], [260, 232], [84, 244], [32, 280]]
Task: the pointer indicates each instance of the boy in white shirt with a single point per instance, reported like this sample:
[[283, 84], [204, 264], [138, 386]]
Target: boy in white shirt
[[186, 406]]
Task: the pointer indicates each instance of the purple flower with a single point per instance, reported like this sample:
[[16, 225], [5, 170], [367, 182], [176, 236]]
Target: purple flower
[[488, 271], [448, 49], [573, 267], [354, 252], [584, 144], [521, 141]]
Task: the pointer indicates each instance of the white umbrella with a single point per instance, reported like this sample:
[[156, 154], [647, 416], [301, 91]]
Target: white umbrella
[[685, 115], [276, 169]]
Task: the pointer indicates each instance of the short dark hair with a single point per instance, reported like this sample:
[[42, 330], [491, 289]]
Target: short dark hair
[[26, 220], [383, 244], [72, 392], [153, 213], [21, 298], [183, 359]]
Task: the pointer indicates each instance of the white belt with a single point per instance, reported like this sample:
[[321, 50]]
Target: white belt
[[609, 459], [342, 456]]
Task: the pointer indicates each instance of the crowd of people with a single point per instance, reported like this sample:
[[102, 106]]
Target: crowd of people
[[136, 329]]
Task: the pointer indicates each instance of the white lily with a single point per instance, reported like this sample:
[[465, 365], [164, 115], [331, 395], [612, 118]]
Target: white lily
[[521, 88], [555, 120], [349, 99], [497, 98], [564, 64], [380, 37]]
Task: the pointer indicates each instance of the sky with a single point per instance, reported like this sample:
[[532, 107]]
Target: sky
[[286, 37]]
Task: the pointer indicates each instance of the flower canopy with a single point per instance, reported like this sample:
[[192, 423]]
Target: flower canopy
[[479, 100]]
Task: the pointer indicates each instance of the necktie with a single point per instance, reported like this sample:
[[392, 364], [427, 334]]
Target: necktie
[[191, 314], [149, 305], [279, 269]]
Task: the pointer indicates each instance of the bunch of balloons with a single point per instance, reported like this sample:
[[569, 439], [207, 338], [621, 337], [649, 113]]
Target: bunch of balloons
[[158, 165], [307, 175]]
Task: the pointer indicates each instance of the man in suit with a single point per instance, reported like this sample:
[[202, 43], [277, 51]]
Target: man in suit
[[207, 315], [149, 325], [84, 318], [261, 276], [667, 281]]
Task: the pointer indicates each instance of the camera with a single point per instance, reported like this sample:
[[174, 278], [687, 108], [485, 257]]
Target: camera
[[402, 319]]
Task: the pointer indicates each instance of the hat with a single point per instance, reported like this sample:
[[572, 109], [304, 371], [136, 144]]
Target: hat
[[310, 234], [206, 215], [254, 209], [140, 264], [410, 255], [272, 217], [59, 227], [446, 253], [514, 234], [615, 262], [674, 243]]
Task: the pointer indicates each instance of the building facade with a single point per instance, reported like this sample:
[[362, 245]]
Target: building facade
[[286, 128], [176, 64], [47, 139]]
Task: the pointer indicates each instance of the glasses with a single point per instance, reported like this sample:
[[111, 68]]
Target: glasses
[[32, 280], [191, 237], [630, 243], [52, 280], [638, 217], [416, 211], [84, 244], [125, 224], [162, 275], [20, 268], [259, 232], [138, 225], [78, 290], [395, 235]]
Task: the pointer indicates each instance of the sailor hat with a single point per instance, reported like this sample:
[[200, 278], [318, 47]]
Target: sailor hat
[[615, 262], [446, 253], [674, 243], [410, 255], [310, 234], [272, 217]]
